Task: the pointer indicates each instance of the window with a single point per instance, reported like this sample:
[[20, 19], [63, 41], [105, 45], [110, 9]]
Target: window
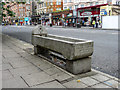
[[65, 7], [70, 0], [96, 3], [91, 4], [70, 8], [48, 3], [65, 1], [51, 9], [45, 4], [76, 6], [28, 7], [51, 3], [82, 5], [59, 8], [59, 3]]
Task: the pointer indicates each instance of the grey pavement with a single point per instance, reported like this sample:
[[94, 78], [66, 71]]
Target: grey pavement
[[22, 69]]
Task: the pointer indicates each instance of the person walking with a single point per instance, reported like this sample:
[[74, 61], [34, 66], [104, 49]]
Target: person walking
[[93, 23]]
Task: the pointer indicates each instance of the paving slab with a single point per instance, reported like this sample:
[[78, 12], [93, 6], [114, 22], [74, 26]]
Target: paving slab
[[6, 75], [0, 67], [24, 71], [89, 81], [14, 83], [101, 85], [24, 54], [75, 84], [53, 84], [11, 54], [52, 71], [20, 63], [6, 66], [35, 59], [43, 65], [61, 76], [37, 78], [100, 77], [111, 83]]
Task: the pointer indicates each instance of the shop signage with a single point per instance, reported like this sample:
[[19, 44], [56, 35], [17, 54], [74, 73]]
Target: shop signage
[[26, 19], [104, 10], [86, 13]]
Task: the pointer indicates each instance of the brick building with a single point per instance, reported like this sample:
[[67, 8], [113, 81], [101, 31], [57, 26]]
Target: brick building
[[21, 11]]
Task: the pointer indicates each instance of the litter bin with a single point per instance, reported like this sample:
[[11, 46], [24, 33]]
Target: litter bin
[[78, 25]]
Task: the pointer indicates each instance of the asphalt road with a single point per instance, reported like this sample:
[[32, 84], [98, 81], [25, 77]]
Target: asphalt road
[[105, 56]]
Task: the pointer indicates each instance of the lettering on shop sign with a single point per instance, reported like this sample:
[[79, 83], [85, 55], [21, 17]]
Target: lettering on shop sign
[[86, 13]]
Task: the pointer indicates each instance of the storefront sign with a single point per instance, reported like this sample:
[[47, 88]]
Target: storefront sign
[[26, 19], [86, 13], [104, 10]]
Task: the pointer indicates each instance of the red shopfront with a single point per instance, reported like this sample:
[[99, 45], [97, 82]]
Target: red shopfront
[[88, 14]]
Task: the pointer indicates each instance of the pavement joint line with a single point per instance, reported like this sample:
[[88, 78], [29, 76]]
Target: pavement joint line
[[11, 65], [24, 81], [44, 83], [35, 65]]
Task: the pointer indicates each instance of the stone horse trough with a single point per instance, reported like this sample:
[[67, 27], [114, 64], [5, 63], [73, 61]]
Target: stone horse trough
[[76, 52]]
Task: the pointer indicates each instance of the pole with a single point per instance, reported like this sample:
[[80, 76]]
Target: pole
[[41, 19]]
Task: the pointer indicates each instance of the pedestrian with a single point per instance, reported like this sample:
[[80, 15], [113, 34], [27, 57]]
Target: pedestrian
[[97, 24], [93, 23], [83, 22], [58, 22], [100, 23]]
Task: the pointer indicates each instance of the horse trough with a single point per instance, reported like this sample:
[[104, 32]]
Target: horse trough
[[76, 52]]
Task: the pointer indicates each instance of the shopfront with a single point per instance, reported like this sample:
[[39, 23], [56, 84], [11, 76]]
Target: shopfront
[[88, 14], [61, 16]]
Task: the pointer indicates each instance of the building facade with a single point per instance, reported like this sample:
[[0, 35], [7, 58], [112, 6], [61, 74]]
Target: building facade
[[21, 12], [48, 6], [74, 4]]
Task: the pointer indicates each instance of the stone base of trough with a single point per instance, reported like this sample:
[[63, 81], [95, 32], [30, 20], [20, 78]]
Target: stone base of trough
[[79, 66]]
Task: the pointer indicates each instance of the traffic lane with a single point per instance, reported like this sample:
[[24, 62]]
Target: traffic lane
[[22, 33]]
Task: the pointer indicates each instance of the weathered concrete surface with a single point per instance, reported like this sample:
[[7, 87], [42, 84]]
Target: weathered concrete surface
[[70, 48], [79, 66]]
